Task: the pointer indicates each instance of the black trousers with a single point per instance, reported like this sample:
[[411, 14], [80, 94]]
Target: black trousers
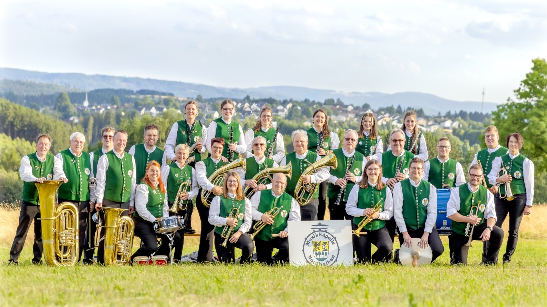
[[205, 250], [322, 205], [178, 240], [264, 250], [89, 245], [514, 209], [458, 250], [145, 231], [309, 211], [188, 218], [363, 245], [434, 242], [109, 204], [227, 255], [338, 212], [29, 212], [83, 212]]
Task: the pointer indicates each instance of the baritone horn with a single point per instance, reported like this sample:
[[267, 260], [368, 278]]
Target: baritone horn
[[265, 177], [217, 179], [303, 193]]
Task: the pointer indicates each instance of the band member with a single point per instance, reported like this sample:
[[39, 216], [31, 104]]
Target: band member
[[491, 152], [230, 213], [264, 128], [370, 143], [520, 177], [300, 159], [77, 169], [226, 128], [443, 172], [116, 181], [351, 165], [174, 175], [35, 167], [150, 206], [371, 192], [147, 151], [187, 131], [415, 210], [468, 207], [414, 139], [275, 234], [204, 169], [257, 163], [321, 140]]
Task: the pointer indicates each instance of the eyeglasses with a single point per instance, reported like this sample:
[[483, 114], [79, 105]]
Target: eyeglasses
[[107, 136], [259, 144], [350, 139], [475, 176], [416, 168], [443, 147], [217, 147], [397, 141], [233, 181]]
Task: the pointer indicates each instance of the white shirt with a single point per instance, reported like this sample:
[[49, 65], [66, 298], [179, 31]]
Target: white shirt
[[102, 166], [332, 179], [351, 205], [528, 176], [379, 144], [453, 204], [212, 131], [460, 176], [490, 150], [260, 162], [422, 154], [171, 141], [321, 175], [278, 151], [379, 158], [216, 220], [201, 174], [294, 213], [141, 199], [25, 170], [165, 170], [92, 188], [431, 218], [334, 139], [149, 151]]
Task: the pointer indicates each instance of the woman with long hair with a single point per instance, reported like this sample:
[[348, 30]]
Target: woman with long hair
[[275, 147], [414, 138], [369, 143], [226, 128]]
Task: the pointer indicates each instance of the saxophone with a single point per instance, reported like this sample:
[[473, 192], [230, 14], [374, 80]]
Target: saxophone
[[179, 204], [368, 218], [260, 225], [60, 227], [265, 177], [303, 193], [118, 237], [227, 231], [217, 179]]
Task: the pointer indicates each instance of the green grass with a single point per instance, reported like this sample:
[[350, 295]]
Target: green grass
[[522, 283]]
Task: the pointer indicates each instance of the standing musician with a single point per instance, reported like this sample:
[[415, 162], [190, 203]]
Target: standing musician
[[230, 213], [77, 169], [150, 206], [351, 165], [519, 176], [275, 147], [204, 169], [174, 175], [275, 234], [492, 151], [116, 181], [35, 167], [257, 163], [226, 128], [321, 140], [371, 200], [443, 172], [415, 210], [147, 151], [370, 143], [469, 206], [414, 139], [300, 159]]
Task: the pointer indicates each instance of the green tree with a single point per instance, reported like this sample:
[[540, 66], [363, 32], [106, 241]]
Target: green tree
[[115, 101], [64, 106]]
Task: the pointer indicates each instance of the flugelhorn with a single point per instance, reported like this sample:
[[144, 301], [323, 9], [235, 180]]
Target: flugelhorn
[[265, 177], [217, 179], [260, 224], [508, 193], [303, 193], [470, 228], [367, 219], [180, 204], [228, 231]]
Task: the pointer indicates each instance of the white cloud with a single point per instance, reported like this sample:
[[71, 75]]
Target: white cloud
[[413, 67]]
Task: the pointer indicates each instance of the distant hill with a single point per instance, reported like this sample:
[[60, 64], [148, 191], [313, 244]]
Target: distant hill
[[431, 104]]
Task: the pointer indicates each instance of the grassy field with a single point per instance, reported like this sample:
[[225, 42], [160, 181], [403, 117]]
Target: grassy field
[[522, 283]]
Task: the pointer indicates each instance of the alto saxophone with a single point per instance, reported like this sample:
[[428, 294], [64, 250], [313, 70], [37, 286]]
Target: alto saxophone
[[303, 193], [228, 231], [367, 219], [260, 225], [217, 179], [265, 177]]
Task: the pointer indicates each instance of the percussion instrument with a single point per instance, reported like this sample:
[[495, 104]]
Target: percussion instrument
[[142, 260], [169, 224], [444, 224], [160, 260], [415, 255]]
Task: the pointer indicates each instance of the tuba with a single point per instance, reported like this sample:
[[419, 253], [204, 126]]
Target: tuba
[[118, 236], [180, 204], [265, 177], [227, 231], [217, 179], [508, 193], [60, 226], [367, 219], [303, 193]]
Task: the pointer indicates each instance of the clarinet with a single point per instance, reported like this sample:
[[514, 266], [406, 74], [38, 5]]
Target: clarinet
[[398, 169], [230, 152], [414, 143], [343, 190], [274, 143], [319, 141]]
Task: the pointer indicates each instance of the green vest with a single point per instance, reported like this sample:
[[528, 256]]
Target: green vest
[[487, 158], [269, 201], [269, 135], [391, 164], [340, 172], [226, 206], [96, 155], [409, 143], [366, 145], [514, 168], [298, 167], [156, 199], [415, 202], [252, 168], [142, 157], [118, 177], [77, 171], [368, 198], [195, 132], [39, 169], [211, 167], [313, 138], [466, 200], [442, 173], [223, 131], [176, 177]]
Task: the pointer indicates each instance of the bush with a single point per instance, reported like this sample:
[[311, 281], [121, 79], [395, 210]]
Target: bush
[[10, 187]]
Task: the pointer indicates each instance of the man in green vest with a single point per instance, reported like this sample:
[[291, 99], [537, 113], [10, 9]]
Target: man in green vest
[[77, 169], [351, 165], [443, 172], [35, 167], [415, 210], [472, 210], [492, 151], [257, 163], [147, 151], [275, 234]]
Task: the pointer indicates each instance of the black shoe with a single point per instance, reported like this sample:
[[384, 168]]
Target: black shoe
[[13, 262], [190, 231], [37, 262], [87, 262], [506, 260]]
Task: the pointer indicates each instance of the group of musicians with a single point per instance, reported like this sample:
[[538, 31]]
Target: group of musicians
[[379, 191]]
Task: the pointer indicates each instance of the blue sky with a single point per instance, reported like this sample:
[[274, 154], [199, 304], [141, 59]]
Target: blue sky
[[448, 48]]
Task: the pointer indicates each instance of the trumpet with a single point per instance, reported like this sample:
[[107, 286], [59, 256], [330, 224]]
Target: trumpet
[[367, 219], [228, 231], [180, 204], [303, 193], [508, 193], [265, 177], [260, 225], [470, 228]]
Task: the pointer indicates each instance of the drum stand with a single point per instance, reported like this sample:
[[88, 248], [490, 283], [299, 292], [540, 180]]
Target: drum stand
[[171, 237]]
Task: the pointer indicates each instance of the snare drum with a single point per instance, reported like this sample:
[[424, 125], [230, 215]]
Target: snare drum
[[444, 224], [159, 260], [142, 260], [170, 224]]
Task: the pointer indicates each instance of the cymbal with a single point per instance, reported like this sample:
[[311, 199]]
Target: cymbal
[[423, 255]]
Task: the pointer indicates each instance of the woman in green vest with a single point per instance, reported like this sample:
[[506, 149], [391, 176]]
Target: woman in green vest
[[370, 143], [188, 131], [371, 199], [275, 147], [414, 139], [150, 206], [228, 129], [519, 177], [230, 213]]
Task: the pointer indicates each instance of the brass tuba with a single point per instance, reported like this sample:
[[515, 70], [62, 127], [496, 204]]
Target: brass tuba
[[60, 227], [118, 236], [303, 193], [217, 179], [265, 177]]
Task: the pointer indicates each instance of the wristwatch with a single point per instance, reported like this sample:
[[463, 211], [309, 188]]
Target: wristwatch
[[490, 227]]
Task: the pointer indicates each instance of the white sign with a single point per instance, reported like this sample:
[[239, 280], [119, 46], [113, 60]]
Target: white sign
[[320, 243]]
